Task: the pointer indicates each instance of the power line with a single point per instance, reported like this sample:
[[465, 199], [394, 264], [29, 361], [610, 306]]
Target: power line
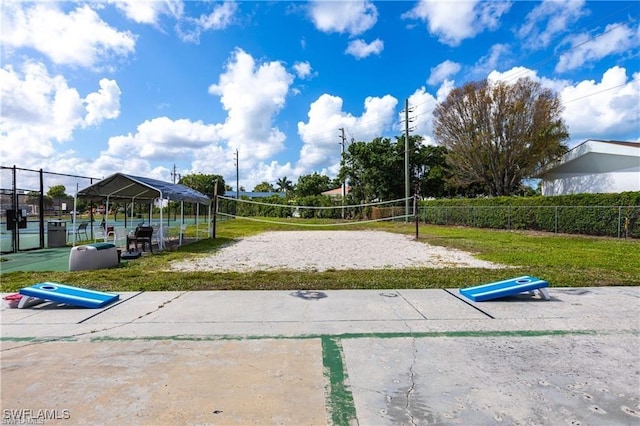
[[594, 93], [521, 73]]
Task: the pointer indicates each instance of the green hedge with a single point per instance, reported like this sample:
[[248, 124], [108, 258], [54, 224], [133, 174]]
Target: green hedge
[[614, 215]]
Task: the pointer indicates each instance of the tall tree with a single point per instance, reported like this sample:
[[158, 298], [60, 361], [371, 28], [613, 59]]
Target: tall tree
[[204, 183], [430, 170], [263, 187], [57, 195], [284, 185], [497, 134], [376, 169], [313, 184], [57, 191]]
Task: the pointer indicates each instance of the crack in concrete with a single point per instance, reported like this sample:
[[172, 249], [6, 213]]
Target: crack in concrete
[[413, 382], [412, 374]]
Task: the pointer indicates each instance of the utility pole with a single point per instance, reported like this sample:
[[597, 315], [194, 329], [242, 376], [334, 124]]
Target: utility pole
[[344, 182], [406, 158], [174, 173]]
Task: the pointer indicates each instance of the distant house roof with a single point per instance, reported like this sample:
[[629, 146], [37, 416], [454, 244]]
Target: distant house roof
[[595, 156], [337, 192], [254, 194]]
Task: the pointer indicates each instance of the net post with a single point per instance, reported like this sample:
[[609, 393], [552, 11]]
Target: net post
[[415, 213], [215, 207]]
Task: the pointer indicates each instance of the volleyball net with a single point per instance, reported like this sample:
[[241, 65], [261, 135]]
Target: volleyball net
[[333, 215]]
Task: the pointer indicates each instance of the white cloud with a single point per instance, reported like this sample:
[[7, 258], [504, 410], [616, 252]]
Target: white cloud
[[220, 18], [105, 103], [442, 71], [605, 109], [303, 70], [319, 135], [454, 21], [360, 49], [106, 165], [252, 94], [352, 17], [491, 60], [270, 172], [79, 37], [163, 139], [616, 38], [446, 87], [39, 109], [515, 73], [190, 29], [559, 16], [149, 12], [421, 104]]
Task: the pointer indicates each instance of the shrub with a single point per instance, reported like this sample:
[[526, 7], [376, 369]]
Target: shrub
[[591, 214]]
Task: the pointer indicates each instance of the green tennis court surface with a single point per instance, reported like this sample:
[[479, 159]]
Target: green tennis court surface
[[51, 259]]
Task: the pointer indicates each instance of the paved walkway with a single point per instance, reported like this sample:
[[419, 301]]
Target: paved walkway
[[328, 357]]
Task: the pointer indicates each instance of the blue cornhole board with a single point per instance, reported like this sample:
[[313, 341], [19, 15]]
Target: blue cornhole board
[[70, 295], [504, 288]]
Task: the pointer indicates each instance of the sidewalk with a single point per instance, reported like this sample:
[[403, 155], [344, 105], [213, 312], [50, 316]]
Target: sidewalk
[[328, 357]]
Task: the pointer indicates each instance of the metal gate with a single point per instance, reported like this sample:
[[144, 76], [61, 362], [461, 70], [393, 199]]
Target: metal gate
[[25, 208]]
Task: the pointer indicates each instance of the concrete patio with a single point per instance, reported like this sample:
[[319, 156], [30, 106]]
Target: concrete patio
[[327, 357]]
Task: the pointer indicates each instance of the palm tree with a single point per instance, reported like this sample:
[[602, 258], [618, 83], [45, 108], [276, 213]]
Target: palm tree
[[284, 185]]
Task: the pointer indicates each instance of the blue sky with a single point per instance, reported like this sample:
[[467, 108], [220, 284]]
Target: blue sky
[[94, 88]]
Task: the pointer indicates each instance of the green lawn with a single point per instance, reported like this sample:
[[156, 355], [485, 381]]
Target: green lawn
[[562, 260]]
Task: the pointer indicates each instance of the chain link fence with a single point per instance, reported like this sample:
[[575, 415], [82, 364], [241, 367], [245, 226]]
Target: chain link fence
[[610, 221], [28, 218]]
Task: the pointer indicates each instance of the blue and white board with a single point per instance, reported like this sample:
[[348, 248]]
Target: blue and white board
[[70, 295], [506, 288]]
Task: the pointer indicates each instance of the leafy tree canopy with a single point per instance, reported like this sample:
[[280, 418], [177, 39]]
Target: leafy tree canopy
[[497, 134], [284, 185], [264, 187], [57, 191], [376, 169], [313, 184], [204, 183]]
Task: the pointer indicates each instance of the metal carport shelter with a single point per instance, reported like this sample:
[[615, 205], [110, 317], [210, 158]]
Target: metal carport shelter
[[120, 186]]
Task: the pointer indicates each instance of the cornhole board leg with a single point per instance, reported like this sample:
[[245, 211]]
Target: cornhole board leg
[[27, 302], [504, 288], [544, 293], [70, 295]]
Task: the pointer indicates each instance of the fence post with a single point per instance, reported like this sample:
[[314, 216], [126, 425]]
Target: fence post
[[416, 213], [41, 209], [15, 238], [619, 219], [556, 219]]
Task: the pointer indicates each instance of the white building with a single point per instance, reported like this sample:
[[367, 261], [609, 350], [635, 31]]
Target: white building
[[594, 166]]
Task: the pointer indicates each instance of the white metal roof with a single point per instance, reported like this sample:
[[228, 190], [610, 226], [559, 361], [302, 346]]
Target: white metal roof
[[595, 156]]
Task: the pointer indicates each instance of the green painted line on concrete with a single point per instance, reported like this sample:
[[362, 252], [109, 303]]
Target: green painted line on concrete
[[21, 339], [39, 339], [385, 335], [343, 336], [339, 397]]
